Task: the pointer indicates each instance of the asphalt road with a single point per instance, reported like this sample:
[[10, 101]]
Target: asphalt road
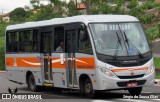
[[62, 95]]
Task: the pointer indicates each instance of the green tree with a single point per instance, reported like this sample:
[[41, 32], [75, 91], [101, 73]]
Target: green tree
[[3, 26], [132, 4], [139, 11], [44, 13], [35, 4], [54, 9], [1, 18], [72, 9], [18, 15], [119, 9]]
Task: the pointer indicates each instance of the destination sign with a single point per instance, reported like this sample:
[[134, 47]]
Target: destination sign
[[114, 27]]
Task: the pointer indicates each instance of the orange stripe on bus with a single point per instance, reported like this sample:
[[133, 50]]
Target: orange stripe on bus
[[58, 65], [128, 69], [20, 62], [81, 63], [89, 65]]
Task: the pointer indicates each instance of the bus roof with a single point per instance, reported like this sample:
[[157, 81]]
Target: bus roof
[[81, 18]]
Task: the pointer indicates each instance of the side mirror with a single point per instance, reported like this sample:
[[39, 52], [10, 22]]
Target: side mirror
[[82, 35], [82, 26]]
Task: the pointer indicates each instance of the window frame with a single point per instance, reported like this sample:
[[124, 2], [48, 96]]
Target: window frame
[[77, 50], [20, 42], [63, 39], [12, 43]]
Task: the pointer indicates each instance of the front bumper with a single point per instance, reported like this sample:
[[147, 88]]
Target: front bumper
[[108, 83]]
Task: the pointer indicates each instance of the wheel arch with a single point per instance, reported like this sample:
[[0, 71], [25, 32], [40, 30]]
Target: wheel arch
[[28, 73], [82, 79]]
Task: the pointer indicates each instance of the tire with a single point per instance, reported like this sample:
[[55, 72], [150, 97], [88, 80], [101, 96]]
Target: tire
[[135, 91], [32, 84], [82, 89], [88, 89]]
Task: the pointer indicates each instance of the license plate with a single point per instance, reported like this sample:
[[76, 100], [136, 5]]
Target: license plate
[[132, 84]]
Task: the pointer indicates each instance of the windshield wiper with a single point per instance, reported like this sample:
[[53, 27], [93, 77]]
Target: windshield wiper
[[128, 40], [118, 42]]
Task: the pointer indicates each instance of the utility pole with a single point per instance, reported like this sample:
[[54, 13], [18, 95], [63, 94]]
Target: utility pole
[[2, 11], [88, 7]]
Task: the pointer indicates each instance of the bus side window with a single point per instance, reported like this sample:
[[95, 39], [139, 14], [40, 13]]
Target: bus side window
[[9, 42], [84, 44], [35, 41], [25, 41], [12, 41], [59, 39]]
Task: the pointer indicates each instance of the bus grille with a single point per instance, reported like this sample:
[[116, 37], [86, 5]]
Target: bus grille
[[131, 77]]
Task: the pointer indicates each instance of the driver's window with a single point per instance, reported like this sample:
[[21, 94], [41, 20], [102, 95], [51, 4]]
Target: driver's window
[[84, 44]]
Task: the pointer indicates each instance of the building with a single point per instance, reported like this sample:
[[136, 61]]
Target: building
[[158, 1], [5, 17], [81, 6]]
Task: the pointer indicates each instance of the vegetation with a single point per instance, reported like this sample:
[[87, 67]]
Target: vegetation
[[3, 26], [153, 33], [157, 76], [157, 66], [157, 62], [18, 15], [2, 59], [59, 8]]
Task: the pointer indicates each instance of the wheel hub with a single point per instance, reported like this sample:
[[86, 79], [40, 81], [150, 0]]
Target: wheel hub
[[88, 88]]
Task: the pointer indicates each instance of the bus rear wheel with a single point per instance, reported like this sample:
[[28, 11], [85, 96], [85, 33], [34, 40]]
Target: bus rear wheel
[[135, 91], [32, 84], [88, 89]]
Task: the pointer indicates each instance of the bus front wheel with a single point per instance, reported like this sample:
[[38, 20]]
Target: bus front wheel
[[32, 83], [88, 89], [135, 91]]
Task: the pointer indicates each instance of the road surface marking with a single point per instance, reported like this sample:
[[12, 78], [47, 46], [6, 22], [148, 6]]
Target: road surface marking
[[157, 100], [101, 101], [156, 84], [146, 92], [133, 100]]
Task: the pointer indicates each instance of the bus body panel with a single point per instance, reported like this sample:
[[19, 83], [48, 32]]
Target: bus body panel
[[19, 64], [85, 64], [106, 83]]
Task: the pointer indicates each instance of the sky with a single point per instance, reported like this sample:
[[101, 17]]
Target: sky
[[9, 5]]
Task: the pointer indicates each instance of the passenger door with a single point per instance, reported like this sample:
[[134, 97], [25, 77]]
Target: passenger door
[[46, 48], [70, 45]]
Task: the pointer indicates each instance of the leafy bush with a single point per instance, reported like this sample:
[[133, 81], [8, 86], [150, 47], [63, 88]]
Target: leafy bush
[[152, 33], [3, 26], [157, 62], [2, 58], [2, 54], [146, 19], [155, 4]]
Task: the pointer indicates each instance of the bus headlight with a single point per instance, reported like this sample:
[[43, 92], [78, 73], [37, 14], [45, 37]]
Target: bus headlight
[[107, 72], [150, 70]]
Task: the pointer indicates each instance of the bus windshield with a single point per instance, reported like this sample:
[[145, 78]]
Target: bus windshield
[[119, 39]]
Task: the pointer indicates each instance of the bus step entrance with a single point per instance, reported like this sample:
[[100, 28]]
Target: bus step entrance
[[48, 84]]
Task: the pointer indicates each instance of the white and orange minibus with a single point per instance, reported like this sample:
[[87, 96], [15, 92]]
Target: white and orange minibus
[[89, 52]]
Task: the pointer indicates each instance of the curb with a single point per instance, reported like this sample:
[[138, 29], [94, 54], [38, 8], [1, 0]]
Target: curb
[[157, 81], [2, 72]]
